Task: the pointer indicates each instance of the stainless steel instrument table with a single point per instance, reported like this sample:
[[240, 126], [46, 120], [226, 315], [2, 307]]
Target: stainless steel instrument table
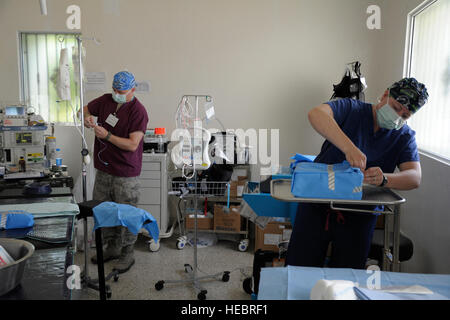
[[372, 196]]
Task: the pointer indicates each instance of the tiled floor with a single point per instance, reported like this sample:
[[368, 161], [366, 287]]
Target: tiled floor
[[168, 264]]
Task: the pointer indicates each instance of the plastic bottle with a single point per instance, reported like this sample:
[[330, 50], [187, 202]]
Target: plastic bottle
[[160, 144], [46, 162], [58, 158], [160, 132], [50, 148]]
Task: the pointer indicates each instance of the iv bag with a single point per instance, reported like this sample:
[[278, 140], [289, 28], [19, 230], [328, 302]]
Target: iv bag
[[63, 86]]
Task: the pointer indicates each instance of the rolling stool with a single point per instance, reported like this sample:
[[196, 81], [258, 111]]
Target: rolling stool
[[406, 246], [105, 290]]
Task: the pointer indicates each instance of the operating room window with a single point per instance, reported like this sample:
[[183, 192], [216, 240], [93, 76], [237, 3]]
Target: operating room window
[[40, 59], [428, 60]]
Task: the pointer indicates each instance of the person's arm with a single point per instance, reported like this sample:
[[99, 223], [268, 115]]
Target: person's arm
[[128, 144], [322, 120], [88, 118], [408, 178]]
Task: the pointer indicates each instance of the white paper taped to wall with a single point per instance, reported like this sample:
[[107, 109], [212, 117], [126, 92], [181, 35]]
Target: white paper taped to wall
[[95, 81], [143, 86]]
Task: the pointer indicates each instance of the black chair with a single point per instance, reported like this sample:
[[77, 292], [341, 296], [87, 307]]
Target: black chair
[[105, 291], [406, 246]]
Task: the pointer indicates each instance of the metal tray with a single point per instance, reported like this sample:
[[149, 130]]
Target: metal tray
[[280, 189]]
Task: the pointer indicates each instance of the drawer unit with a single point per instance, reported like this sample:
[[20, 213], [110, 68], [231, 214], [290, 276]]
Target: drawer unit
[[150, 183], [150, 175], [151, 166], [150, 196], [153, 181]]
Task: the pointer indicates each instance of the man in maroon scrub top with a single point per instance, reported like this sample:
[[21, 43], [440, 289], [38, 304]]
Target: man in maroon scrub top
[[121, 125]]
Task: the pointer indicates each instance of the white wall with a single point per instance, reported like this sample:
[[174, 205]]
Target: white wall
[[266, 63], [426, 214], [426, 219]]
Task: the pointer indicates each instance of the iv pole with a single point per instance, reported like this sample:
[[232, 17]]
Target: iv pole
[[85, 160], [193, 278]]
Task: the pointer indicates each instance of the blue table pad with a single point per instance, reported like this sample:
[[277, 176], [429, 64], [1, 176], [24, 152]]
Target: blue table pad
[[263, 204], [295, 283]]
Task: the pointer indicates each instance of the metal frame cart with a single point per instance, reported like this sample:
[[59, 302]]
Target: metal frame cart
[[196, 190], [213, 192], [281, 190]]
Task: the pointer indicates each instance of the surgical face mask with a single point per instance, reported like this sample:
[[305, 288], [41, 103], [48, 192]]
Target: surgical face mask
[[119, 98], [389, 119]]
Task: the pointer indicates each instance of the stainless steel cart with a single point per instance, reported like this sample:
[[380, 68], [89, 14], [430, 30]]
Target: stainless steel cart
[[281, 190]]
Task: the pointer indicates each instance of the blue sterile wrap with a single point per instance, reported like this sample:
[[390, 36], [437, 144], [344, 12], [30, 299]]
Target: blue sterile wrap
[[111, 214], [300, 158], [319, 180], [16, 219]]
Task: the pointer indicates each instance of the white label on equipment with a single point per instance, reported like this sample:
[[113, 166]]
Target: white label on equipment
[[272, 239]]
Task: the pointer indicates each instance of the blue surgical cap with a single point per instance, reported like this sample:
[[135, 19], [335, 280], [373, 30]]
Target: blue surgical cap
[[124, 81]]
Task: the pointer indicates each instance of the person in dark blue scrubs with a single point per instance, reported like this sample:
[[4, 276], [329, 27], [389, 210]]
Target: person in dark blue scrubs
[[374, 138]]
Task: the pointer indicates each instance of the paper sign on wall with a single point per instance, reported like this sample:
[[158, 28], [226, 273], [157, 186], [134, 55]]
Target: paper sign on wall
[[143, 86], [95, 81]]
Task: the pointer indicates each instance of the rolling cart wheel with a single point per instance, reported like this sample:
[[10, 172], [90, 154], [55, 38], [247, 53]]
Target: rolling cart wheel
[[153, 247], [202, 295], [247, 285], [108, 292], [159, 285], [243, 245], [181, 243], [188, 268], [226, 276]]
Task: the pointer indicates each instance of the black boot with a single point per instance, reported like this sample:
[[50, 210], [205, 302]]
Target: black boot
[[126, 259], [112, 252]]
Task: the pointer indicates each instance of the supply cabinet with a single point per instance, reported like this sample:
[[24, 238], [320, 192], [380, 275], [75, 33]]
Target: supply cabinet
[[153, 199]]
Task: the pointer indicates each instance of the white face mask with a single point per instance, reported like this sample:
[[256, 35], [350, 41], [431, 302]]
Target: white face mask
[[389, 119], [119, 98]]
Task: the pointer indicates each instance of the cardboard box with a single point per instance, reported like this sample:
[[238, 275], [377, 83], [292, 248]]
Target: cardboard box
[[239, 174], [203, 222], [237, 188], [227, 221], [274, 233]]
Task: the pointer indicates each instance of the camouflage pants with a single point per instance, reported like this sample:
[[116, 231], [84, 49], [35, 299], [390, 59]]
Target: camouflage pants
[[122, 190]]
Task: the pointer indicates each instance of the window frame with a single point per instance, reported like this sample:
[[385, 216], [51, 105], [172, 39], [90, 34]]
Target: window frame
[[22, 86], [409, 44]]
